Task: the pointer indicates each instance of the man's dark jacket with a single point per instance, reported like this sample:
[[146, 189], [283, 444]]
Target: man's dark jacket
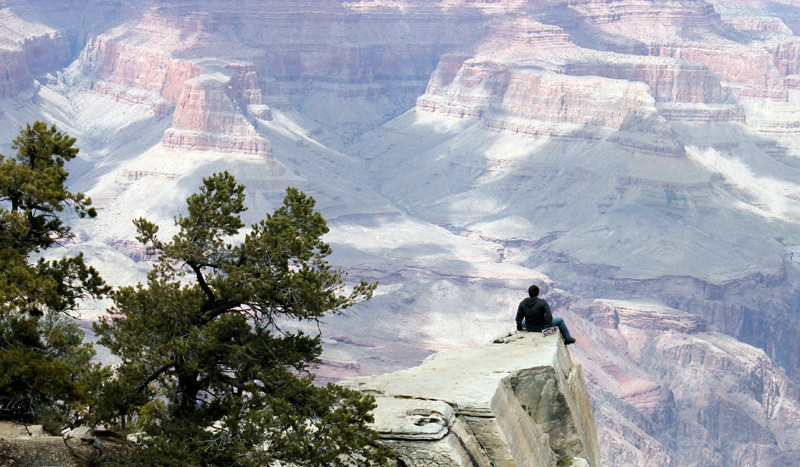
[[536, 312]]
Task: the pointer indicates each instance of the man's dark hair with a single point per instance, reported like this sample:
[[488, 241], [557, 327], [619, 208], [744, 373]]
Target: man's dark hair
[[533, 291]]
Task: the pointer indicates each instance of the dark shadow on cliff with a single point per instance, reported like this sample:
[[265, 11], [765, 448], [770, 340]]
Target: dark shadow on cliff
[[582, 33], [77, 21], [789, 14]]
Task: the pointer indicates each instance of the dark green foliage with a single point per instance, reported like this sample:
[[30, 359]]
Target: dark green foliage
[[44, 365], [33, 185], [45, 369], [33, 193], [208, 374]]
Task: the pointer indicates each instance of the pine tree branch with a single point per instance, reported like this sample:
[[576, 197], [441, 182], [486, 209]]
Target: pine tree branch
[[202, 281], [232, 382], [154, 375], [219, 310]]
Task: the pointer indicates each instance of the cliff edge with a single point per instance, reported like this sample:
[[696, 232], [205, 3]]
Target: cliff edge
[[519, 401]]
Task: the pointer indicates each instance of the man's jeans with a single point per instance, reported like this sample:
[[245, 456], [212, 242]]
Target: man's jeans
[[562, 326]]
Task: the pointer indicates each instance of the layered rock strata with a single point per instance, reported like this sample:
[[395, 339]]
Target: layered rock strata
[[666, 368], [520, 401], [28, 51], [206, 118], [694, 96]]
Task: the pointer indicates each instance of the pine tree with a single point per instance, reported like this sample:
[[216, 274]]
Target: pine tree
[[44, 364], [206, 366]]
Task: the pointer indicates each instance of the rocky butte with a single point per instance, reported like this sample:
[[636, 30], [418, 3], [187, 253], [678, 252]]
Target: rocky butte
[[638, 159]]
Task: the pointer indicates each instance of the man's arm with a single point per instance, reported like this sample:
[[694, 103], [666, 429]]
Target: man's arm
[[520, 316], [548, 315]]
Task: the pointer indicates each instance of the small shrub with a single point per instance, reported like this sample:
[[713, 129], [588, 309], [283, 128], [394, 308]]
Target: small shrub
[[52, 422], [564, 461]]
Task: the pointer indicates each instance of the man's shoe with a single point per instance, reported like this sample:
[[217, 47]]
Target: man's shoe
[[569, 341]]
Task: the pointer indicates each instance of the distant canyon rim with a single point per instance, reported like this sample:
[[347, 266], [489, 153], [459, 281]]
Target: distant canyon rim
[[638, 159]]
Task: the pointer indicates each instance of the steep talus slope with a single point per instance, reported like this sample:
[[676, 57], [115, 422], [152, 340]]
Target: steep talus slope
[[637, 158]]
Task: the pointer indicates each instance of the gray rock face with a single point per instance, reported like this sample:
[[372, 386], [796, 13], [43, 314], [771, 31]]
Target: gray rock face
[[10, 430], [519, 401]]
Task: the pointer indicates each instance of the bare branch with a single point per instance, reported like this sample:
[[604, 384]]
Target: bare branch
[[220, 310], [202, 282], [159, 371], [82, 460]]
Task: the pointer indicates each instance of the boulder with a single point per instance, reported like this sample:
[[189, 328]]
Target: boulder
[[82, 432], [11, 430], [35, 431]]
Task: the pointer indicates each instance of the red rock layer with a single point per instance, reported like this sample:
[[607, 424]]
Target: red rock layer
[[206, 119], [476, 86], [527, 33], [703, 114], [142, 68], [668, 369], [161, 107], [759, 24], [324, 41], [593, 101], [752, 73], [786, 57], [195, 141], [523, 100], [381, 49], [504, 83], [147, 56], [695, 32], [249, 84], [41, 37], [650, 19], [673, 81]]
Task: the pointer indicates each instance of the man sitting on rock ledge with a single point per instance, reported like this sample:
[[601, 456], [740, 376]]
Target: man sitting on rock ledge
[[534, 313]]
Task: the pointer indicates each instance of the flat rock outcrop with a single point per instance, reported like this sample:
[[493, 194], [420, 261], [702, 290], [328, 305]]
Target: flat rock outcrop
[[519, 401], [641, 155]]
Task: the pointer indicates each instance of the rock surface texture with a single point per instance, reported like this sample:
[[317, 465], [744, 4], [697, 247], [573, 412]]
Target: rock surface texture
[[520, 401], [638, 159]]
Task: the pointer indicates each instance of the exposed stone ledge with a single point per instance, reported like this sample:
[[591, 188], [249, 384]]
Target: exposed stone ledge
[[519, 401]]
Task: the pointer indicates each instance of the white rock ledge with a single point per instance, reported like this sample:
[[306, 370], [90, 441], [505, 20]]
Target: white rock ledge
[[519, 401]]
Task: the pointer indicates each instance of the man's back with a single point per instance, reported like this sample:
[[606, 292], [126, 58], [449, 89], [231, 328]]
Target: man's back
[[536, 313]]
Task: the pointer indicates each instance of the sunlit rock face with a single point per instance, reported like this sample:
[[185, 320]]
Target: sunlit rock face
[[207, 119], [638, 159], [519, 400]]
